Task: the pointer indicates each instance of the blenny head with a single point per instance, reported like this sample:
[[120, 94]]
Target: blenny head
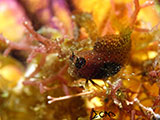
[[78, 62]]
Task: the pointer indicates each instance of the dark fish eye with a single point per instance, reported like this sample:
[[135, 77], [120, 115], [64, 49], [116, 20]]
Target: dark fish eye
[[80, 62]]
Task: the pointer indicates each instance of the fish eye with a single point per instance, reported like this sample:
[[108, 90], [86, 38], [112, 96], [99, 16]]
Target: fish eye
[[80, 62]]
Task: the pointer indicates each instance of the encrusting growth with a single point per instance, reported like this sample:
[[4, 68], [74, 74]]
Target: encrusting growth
[[108, 55]]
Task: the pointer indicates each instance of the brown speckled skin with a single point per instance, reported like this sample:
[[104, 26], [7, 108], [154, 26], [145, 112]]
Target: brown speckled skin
[[115, 48], [109, 54]]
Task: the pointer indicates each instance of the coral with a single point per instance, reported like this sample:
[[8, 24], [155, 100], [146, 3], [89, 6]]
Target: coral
[[77, 67]]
